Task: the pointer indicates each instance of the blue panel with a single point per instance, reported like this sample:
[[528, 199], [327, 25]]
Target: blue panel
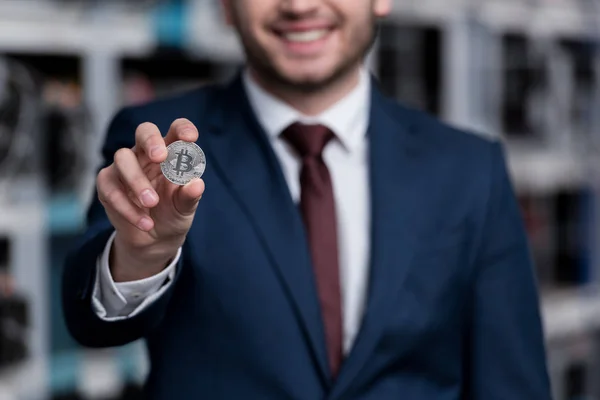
[[64, 372], [65, 214], [169, 20]]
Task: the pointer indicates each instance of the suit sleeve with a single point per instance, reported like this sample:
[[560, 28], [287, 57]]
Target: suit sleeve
[[80, 270], [506, 340]]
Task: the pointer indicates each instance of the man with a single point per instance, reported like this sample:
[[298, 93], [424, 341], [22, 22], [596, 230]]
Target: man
[[346, 247]]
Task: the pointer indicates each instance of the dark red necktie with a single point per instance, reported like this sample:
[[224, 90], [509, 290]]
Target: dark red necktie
[[318, 211]]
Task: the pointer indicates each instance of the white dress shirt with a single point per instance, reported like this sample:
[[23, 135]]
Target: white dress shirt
[[346, 158]]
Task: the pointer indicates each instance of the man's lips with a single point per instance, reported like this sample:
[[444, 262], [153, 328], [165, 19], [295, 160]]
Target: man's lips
[[303, 31], [299, 26]]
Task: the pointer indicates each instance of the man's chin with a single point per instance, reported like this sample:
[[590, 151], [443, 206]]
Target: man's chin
[[306, 79], [310, 77]]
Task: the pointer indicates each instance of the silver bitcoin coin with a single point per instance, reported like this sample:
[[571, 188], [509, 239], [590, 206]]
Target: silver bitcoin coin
[[184, 162]]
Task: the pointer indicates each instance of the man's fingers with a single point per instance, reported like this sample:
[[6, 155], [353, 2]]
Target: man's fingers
[[150, 143], [113, 197], [151, 147], [133, 177], [186, 197], [181, 129]]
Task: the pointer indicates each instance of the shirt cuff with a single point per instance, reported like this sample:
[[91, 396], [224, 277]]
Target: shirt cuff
[[116, 301]]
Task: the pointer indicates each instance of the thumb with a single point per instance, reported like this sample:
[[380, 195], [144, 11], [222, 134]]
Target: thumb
[[186, 198]]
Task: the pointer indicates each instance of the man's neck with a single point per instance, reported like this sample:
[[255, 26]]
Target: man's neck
[[310, 103]]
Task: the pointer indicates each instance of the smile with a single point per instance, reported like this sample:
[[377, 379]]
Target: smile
[[305, 41], [305, 36]]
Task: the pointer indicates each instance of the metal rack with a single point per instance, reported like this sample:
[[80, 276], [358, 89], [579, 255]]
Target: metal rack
[[24, 225]]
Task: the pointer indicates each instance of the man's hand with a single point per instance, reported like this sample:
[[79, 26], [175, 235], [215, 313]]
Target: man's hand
[[150, 214]]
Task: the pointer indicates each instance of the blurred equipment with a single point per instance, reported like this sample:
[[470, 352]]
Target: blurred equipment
[[559, 228], [579, 92], [18, 111], [146, 78], [59, 144], [550, 89], [526, 88], [13, 314], [410, 65], [66, 133]]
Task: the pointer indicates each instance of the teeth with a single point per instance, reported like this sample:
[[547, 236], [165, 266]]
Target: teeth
[[307, 36]]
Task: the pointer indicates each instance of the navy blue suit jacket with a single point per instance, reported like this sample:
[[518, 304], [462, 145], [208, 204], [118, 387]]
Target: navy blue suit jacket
[[452, 306]]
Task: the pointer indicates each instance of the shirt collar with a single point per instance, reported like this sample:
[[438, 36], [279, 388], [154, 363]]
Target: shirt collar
[[342, 118]]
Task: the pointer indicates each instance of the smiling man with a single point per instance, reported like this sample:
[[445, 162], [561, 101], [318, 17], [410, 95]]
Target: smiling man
[[346, 247]]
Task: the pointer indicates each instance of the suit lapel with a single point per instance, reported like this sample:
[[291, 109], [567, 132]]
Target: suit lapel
[[396, 192], [240, 153]]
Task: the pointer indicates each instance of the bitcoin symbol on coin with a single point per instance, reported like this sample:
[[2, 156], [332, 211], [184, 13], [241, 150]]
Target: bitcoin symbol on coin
[[185, 161]]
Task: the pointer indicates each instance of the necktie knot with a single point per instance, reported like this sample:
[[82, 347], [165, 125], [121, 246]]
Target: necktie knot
[[308, 140]]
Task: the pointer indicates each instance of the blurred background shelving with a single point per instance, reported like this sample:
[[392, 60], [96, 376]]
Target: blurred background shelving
[[527, 72]]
